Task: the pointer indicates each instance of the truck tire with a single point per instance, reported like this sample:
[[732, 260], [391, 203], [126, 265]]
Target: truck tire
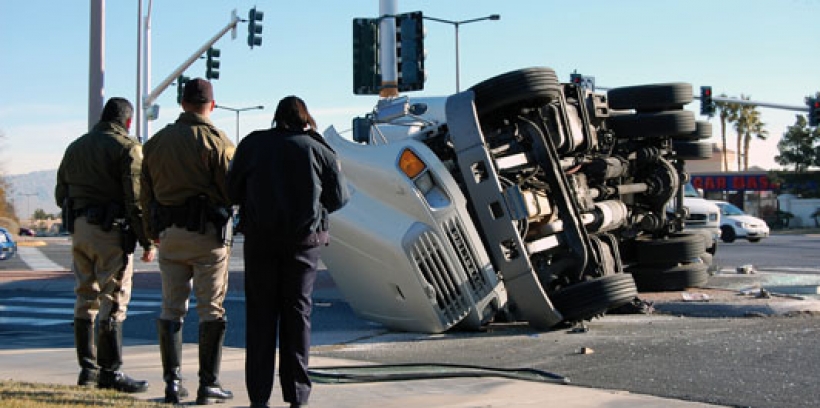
[[686, 150], [703, 130], [585, 300], [656, 124], [508, 93], [651, 98], [679, 247], [670, 278]]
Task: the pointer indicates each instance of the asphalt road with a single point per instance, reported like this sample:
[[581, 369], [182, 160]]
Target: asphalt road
[[753, 361]]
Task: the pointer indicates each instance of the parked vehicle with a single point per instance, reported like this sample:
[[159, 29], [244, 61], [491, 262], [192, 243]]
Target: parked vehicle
[[521, 198], [26, 232], [8, 247], [702, 216], [736, 224]]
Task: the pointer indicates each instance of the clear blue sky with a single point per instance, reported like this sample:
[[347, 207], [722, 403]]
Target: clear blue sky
[[768, 49]]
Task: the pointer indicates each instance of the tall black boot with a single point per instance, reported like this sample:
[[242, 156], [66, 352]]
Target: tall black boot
[[109, 357], [86, 352], [211, 336], [170, 349]]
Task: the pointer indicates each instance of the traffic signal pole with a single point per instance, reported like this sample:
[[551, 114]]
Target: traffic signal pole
[[797, 108], [149, 99]]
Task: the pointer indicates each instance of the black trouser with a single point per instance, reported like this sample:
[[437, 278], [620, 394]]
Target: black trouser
[[278, 289]]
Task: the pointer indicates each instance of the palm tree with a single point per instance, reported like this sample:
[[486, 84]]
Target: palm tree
[[747, 125], [728, 114], [741, 124]]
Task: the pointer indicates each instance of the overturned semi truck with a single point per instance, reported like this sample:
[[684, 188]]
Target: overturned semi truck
[[521, 198]]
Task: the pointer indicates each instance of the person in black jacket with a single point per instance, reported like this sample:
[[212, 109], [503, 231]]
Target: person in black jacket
[[286, 180]]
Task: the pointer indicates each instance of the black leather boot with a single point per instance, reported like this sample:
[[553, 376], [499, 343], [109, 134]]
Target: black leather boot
[[86, 352], [211, 336], [170, 349], [109, 357]]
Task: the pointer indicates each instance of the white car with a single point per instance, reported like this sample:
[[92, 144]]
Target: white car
[[734, 224]]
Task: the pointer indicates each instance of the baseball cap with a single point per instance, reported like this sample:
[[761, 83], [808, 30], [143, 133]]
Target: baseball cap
[[198, 90]]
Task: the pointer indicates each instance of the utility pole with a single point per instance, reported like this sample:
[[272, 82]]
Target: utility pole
[[96, 61]]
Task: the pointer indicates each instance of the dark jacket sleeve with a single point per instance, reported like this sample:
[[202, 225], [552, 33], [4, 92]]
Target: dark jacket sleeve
[[334, 187]]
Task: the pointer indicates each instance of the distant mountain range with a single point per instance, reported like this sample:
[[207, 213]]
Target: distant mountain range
[[33, 190]]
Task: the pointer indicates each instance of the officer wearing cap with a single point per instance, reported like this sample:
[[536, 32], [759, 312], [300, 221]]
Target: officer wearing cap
[[189, 215], [98, 186]]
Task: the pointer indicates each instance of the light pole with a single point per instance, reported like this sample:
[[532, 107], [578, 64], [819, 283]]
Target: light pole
[[28, 205], [237, 110], [456, 24]]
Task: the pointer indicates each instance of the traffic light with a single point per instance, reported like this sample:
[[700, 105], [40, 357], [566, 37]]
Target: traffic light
[[707, 105], [367, 76], [815, 111], [255, 27], [212, 65], [587, 82], [181, 87], [410, 51]]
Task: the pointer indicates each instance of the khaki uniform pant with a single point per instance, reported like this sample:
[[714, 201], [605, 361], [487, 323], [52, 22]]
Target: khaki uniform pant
[[190, 260], [102, 272]]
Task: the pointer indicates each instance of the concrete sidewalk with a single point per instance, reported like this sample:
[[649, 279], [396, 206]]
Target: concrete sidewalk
[[58, 365]]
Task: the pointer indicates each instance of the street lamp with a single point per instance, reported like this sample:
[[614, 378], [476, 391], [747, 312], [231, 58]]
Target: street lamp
[[28, 205], [237, 110], [456, 24]]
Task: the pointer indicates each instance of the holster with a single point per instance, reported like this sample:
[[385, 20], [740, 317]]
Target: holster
[[222, 218], [113, 211], [128, 238]]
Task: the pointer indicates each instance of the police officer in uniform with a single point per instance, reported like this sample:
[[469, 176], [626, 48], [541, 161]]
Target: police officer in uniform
[[98, 187], [286, 181], [184, 194]]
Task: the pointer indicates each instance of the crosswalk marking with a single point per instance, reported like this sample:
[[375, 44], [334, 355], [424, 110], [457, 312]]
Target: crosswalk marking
[[34, 258], [40, 311], [36, 261]]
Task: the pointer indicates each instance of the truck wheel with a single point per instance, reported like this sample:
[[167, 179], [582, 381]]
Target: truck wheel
[[585, 300], [679, 247], [703, 130], [670, 278], [651, 98], [727, 234], [686, 150], [657, 124], [510, 92]]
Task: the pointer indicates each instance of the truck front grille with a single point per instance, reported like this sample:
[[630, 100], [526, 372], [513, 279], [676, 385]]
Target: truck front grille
[[467, 258], [432, 263]]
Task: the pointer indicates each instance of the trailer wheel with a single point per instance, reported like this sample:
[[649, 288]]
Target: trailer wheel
[[670, 278], [510, 92], [679, 247], [651, 98], [656, 124], [685, 150], [703, 130], [585, 300]]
